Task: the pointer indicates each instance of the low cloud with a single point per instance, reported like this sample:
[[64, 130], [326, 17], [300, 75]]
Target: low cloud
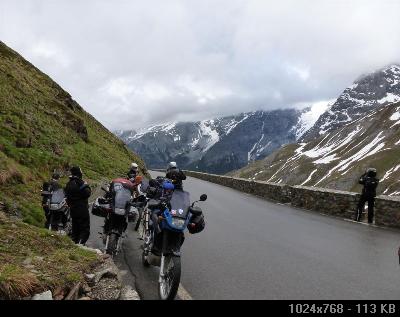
[[135, 63]]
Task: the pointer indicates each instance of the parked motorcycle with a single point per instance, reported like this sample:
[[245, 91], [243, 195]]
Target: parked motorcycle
[[115, 208], [165, 221], [59, 214]]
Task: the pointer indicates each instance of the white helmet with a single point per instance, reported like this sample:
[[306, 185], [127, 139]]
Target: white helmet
[[134, 166], [171, 165]]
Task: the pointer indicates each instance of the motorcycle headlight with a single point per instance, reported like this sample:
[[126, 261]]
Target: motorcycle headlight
[[178, 222]]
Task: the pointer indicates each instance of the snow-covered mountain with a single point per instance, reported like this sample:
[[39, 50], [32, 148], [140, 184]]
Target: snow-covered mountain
[[356, 132], [369, 92], [222, 144]]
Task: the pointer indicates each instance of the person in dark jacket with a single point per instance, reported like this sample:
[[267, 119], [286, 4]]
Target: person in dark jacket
[[368, 194], [49, 187], [78, 192], [175, 174]]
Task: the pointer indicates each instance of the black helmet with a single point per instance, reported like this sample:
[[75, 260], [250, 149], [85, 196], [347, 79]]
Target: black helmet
[[371, 172], [76, 171]]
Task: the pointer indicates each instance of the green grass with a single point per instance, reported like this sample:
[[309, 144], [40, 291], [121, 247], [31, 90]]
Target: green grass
[[53, 261], [41, 129]]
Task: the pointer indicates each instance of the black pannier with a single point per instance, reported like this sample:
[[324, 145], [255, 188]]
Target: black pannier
[[101, 207], [196, 224]]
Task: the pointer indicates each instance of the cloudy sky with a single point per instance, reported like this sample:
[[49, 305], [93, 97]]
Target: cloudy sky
[[134, 63]]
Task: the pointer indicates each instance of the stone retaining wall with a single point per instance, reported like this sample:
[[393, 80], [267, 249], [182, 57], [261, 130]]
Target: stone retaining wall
[[327, 201]]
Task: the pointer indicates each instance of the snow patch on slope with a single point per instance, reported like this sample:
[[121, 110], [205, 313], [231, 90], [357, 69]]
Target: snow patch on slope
[[324, 153], [390, 171], [370, 149], [233, 123], [308, 118], [210, 134], [389, 98], [309, 177]]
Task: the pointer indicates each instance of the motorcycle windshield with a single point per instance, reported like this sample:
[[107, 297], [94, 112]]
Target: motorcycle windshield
[[122, 196], [180, 203], [57, 196]]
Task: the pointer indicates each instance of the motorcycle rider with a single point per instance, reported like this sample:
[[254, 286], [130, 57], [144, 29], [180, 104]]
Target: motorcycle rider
[[133, 171], [78, 192], [175, 174], [49, 187], [369, 182]]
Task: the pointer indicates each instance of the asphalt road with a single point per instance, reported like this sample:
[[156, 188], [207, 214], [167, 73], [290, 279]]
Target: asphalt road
[[255, 249]]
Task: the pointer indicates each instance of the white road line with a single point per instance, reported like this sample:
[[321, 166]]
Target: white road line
[[361, 223], [183, 293]]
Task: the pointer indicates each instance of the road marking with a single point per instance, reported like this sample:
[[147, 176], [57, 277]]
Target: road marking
[[183, 293], [361, 223]]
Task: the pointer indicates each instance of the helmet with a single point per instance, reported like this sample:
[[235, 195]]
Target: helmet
[[168, 185], [171, 165], [76, 171], [168, 188], [134, 166], [55, 176], [371, 171]]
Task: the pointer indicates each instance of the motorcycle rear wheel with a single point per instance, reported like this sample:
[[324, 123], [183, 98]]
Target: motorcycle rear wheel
[[168, 287], [112, 244]]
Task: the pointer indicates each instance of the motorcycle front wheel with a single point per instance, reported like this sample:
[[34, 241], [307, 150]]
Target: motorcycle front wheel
[[169, 284], [139, 219]]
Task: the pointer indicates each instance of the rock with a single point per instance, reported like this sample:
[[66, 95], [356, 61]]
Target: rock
[[128, 293], [39, 258], [90, 279], [108, 272], [86, 289], [43, 296], [98, 251], [27, 261]]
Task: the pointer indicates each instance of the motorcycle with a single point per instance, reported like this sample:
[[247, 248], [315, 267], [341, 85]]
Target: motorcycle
[[115, 208], [59, 218], [165, 221]]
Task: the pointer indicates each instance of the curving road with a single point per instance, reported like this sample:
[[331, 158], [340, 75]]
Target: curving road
[[255, 249]]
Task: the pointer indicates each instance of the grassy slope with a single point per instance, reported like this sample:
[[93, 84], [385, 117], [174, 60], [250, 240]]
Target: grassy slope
[[34, 260], [42, 128]]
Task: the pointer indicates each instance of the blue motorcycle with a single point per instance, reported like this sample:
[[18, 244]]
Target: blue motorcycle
[[166, 217]]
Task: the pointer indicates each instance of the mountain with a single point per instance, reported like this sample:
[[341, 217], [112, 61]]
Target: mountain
[[336, 151], [222, 144], [42, 128], [369, 92]]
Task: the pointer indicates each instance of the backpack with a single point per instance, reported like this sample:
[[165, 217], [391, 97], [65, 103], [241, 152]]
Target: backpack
[[370, 184]]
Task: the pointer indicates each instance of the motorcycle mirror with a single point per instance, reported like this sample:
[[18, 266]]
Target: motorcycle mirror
[[203, 197]]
